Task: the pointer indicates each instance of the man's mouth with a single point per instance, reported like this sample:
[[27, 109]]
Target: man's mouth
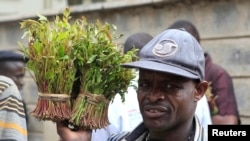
[[155, 111]]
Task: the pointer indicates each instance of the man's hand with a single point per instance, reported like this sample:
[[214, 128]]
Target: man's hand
[[67, 134], [227, 119]]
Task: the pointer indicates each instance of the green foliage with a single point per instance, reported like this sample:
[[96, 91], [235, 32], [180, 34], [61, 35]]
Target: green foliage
[[56, 50], [99, 60], [51, 53]]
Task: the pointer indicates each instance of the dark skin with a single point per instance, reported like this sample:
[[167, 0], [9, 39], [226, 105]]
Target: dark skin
[[167, 103], [15, 70], [67, 134], [224, 119]]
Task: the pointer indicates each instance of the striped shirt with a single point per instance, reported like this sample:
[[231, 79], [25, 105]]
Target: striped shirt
[[12, 116]]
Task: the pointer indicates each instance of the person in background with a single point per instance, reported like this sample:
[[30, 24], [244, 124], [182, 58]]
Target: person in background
[[13, 65], [171, 82], [124, 116], [12, 115], [221, 97], [137, 40]]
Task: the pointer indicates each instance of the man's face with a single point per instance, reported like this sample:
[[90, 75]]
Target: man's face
[[165, 100], [16, 71]]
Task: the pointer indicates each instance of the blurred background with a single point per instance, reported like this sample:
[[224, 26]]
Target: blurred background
[[224, 27]]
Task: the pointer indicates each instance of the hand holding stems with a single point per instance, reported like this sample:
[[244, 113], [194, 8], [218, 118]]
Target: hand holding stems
[[67, 134]]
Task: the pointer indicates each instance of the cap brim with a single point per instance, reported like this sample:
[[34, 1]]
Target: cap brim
[[156, 66]]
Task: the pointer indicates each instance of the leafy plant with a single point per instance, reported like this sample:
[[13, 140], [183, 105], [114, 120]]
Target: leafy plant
[[52, 63], [63, 53], [211, 98], [101, 76]]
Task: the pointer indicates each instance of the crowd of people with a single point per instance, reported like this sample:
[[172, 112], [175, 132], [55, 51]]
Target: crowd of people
[[179, 92]]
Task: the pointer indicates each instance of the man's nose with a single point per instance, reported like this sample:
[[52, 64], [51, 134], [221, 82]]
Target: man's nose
[[156, 95]]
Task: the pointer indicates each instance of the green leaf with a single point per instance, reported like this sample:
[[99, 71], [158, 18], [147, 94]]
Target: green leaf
[[65, 57], [91, 59], [41, 17]]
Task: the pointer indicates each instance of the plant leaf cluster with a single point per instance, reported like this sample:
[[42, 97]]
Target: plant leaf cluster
[[50, 52], [58, 49], [99, 59]]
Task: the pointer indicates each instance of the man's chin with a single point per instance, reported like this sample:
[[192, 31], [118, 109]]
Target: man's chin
[[155, 125]]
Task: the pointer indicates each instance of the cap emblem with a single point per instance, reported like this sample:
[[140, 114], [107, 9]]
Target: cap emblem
[[165, 48]]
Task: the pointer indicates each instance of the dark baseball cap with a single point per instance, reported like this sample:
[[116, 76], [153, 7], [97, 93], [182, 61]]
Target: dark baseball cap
[[173, 51], [8, 55]]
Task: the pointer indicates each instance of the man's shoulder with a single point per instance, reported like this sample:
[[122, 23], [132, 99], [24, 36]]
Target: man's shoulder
[[118, 136], [139, 133], [5, 83]]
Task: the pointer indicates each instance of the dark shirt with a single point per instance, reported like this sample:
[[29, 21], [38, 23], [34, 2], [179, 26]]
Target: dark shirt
[[140, 133], [222, 87]]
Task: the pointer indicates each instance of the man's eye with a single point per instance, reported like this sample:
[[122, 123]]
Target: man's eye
[[143, 84], [20, 76], [173, 87], [169, 86]]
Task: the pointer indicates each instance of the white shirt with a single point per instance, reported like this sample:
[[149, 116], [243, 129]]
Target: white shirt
[[203, 113]]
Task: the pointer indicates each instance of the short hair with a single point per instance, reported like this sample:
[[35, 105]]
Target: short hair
[[137, 40], [188, 26]]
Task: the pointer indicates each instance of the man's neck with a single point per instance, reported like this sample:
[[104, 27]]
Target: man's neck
[[182, 133]]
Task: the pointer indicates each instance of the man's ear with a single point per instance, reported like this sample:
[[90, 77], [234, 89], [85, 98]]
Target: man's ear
[[201, 88]]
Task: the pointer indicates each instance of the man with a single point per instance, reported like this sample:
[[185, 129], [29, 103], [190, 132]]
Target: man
[[222, 101], [137, 40], [171, 82], [13, 66], [12, 116]]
